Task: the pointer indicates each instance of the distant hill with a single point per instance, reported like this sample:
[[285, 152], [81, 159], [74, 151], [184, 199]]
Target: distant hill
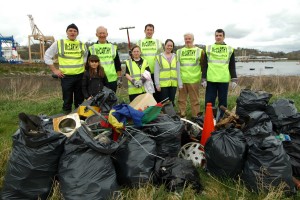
[[123, 48]]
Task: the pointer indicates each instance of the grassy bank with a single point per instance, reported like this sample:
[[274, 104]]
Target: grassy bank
[[42, 95]]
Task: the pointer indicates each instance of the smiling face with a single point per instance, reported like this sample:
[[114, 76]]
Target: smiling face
[[72, 34], [169, 47], [136, 53], [102, 34], [149, 31]]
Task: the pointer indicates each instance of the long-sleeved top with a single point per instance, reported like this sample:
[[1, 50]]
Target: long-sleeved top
[[53, 50], [232, 69], [157, 71], [117, 62], [92, 85]]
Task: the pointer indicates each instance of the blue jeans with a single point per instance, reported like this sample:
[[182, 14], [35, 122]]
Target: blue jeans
[[214, 90]]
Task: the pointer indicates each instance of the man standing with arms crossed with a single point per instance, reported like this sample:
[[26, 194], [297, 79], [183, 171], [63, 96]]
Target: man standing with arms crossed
[[150, 48], [72, 55], [218, 70], [190, 60], [109, 58]]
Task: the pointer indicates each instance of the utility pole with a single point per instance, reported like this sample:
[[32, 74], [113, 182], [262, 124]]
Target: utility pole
[[128, 27]]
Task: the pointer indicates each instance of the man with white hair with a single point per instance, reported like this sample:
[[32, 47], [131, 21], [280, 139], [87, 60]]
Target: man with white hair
[[109, 58], [190, 60]]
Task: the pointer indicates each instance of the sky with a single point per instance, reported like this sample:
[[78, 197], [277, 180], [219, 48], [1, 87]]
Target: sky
[[266, 25]]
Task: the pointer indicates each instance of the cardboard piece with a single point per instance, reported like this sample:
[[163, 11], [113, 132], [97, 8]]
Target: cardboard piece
[[143, 101]]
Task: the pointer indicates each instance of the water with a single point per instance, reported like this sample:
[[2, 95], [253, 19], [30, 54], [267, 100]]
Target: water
[[278, 68]]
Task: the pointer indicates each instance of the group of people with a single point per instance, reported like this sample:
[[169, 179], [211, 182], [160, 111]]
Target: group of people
[[85, 71]]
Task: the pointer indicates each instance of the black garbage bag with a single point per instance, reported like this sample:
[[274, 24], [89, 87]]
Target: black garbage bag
[[282, 113], [34, 159], [292, 147], [249, 101], [166, 132], [225, 152], [86, 170], [105, 99], [258, 126], [177, 174], [267, 164], [135, 158]]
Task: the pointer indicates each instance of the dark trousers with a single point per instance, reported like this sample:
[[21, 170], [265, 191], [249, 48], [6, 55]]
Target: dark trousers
[[214, 90], [72, 91], [112, 85], [155, 94], [132, 96], [167, 92]]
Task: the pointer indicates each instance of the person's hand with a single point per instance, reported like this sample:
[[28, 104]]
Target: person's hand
[[119, 82], [58, 73], [158, 88], [143, 79], [138, 84], [204, 83], [234, 83]]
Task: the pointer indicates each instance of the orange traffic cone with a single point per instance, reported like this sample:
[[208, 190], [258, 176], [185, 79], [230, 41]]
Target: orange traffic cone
[[208, 125]]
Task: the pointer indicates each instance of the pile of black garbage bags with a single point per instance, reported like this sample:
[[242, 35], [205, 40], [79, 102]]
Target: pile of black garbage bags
[[266, 151], [89, 167]]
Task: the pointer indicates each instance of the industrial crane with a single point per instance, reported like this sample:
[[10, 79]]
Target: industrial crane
[[36, 34], [6, 39]]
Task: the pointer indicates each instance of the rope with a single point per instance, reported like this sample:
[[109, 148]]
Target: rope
[[144, 147], [152, 136], [183, 119]]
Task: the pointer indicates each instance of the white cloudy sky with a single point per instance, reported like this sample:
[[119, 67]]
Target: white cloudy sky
[[267, 25]]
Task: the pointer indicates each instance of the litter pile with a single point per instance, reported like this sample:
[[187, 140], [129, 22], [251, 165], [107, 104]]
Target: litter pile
[[97, 150], [103, 147]]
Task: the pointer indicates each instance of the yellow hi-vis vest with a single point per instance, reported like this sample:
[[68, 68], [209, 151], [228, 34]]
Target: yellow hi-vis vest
[[167, 72], [218, 57], [189, 60], [106, 53], [150, 48], [136, 73], [71, 56]]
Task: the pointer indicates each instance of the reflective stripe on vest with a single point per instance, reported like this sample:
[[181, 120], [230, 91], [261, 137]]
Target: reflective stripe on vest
[[167, 72], [106, 53], [71, 56], [189, 60], [136, 73], [149, 48], [218, 58]]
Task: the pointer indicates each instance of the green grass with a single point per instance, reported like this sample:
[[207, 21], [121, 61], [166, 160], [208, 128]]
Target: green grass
[[42, 95]]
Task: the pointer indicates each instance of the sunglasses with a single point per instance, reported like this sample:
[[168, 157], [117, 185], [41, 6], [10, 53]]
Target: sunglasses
[[94, 61]]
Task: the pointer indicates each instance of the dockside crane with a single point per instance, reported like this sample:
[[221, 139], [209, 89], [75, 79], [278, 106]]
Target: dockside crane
[[6, 39], [37, 34]]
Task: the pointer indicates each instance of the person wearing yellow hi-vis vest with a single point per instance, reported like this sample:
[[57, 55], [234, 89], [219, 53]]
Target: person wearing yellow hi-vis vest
[[72, 55], [135, 67], [190, 60], [167, 73], [218, 70], [150, 48], [109, 58]]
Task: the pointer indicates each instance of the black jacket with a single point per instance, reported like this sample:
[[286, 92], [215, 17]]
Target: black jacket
[[92, 85]]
